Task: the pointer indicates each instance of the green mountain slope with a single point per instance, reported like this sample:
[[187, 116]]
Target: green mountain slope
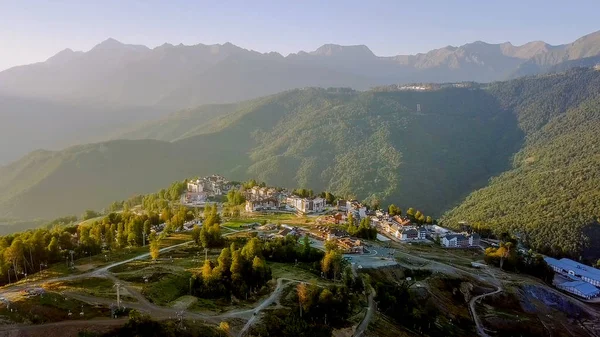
[[181, 124], [551, 194], [368, 144], [536, 136]]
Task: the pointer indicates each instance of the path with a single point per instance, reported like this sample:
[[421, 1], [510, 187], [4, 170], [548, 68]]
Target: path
[[263, 305], [480, 329], [368, 316]]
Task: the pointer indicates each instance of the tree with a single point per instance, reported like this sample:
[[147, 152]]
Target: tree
[[90, 214], [224, 260], [330, 245], [394, 210], [375, 204], [154, 246], [147, 227], [224, 327], [332, 263], [206, 271], [303, 297], [196, 234], [259, 270], [251, 249], [53, 249], [350, 220], [306, 249], [428, 220]]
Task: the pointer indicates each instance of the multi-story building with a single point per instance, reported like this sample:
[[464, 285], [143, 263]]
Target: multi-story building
[[460, 241], [305, 205], [262, 204]]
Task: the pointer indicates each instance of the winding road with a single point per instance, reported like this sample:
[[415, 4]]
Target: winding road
[[474, 300], [360, 331]]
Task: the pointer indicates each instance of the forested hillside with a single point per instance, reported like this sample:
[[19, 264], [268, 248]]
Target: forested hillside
[[551, 194], [427, 149], [372, 145]]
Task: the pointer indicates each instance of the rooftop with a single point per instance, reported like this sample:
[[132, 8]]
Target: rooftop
[[578, 268], [583, 287]]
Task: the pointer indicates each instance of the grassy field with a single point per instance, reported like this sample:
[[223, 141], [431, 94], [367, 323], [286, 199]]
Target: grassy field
[[50, 307], [290, 271], [98, 287], [280, 218]]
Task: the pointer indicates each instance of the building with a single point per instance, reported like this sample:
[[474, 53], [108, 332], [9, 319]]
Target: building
[[575, 270], [211, 185], [262, 204], [357, 208], [474, 240], [579, 288], [460, 241], [409, 234], [422, 233], [350, 245], [195, 186], [194, 197], [305, 205]]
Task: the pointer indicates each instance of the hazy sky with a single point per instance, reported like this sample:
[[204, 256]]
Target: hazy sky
[[32, 31]]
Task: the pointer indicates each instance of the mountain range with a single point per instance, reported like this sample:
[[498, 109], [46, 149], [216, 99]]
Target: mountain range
[[115, 84]]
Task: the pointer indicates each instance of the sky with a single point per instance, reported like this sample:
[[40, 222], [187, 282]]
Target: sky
[[32, 31]]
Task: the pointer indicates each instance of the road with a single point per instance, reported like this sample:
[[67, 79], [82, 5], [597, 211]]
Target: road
[[263, 305], [360, 331], [478, 325]]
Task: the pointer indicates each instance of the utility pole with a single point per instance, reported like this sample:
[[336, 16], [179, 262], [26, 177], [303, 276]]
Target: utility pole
[[143, 239], [205, 254], [118, 285], [72, 252]]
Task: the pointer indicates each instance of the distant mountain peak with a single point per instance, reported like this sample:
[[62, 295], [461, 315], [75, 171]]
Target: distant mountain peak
[[331, 49], [64, 56], [113, 44], [110, 42]]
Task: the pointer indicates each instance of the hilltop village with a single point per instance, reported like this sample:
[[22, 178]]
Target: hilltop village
[[247, 259], [338, 220]]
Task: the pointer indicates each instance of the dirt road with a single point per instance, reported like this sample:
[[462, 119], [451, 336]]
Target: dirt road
[[360, 331]]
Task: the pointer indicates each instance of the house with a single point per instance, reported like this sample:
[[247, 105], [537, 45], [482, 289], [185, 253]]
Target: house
[[341, 205]]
